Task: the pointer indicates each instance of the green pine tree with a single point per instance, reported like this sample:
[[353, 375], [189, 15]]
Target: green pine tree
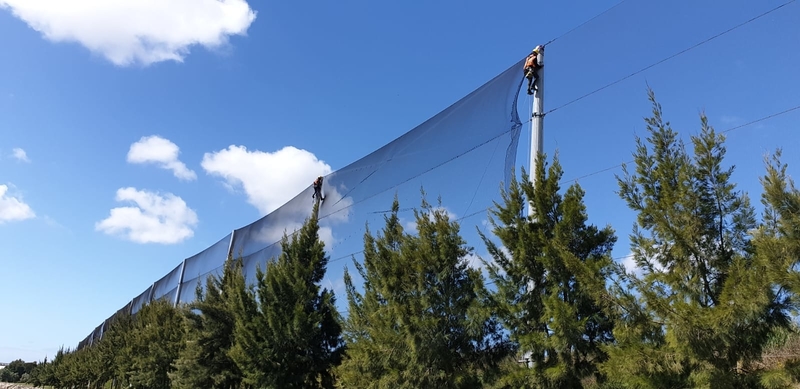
[[777, 243], [293, 339], [705, 306], [209, 323], [248, 333], [156, 341], [550, 271], [108, 359], [49, 375], [420, 321]]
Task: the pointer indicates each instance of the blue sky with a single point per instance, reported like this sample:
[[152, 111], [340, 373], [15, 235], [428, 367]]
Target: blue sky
[[194, 123]]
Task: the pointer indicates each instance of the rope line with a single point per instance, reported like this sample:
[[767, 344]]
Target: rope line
[[582, 24], [750, 123], [480, 182], [671, 57], [422, 173]]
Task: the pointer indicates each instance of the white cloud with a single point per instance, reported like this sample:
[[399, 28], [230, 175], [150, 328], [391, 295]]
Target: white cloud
[[164, 153], [268, 179], [20, 155], [291, 216], [13, 208], [155, 218], [629, 262], [279, 184], [475, 261], [136, 31]]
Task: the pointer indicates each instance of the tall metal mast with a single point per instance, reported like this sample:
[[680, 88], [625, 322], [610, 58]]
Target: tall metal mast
[[537, 122]]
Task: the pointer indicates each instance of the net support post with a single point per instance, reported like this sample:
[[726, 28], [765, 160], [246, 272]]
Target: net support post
[[180, 282], [150, 295], [537, 124], [537, 148], [230, 245]]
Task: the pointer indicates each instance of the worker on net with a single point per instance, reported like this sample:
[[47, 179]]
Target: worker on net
[[531, 69], [318, 189]]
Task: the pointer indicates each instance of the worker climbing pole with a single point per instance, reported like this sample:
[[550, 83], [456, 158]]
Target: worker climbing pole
[[532, 65], [318, 190]]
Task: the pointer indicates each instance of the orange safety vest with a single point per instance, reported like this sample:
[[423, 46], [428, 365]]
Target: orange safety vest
[[531, 61]]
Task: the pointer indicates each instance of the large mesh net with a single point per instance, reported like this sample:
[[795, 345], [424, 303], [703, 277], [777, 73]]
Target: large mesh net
[[460, 155]]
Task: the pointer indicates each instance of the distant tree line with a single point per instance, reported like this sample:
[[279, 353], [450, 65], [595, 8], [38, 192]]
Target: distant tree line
[[713, 293], [17, 371]]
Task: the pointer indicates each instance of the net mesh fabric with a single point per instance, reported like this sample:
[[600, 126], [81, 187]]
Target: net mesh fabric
[[197, 268], [460, 155]]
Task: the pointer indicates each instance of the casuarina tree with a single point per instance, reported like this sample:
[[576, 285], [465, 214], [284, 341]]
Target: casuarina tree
[[156, 341], [777, 244], [705, 303], [550, 268], [208, 325], [419, 321], [290, 337]]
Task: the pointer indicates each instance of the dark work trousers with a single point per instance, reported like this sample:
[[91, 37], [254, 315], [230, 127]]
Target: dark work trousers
[[532, 75]]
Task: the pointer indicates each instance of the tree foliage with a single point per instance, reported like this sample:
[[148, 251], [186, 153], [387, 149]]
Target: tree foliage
[[157, 339], [706, 303], [419, 321], [209, 321], [709, 304], [293, 338], [550, 269]]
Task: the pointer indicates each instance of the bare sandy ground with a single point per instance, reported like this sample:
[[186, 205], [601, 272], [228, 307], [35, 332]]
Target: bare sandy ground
[[5, 385]]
